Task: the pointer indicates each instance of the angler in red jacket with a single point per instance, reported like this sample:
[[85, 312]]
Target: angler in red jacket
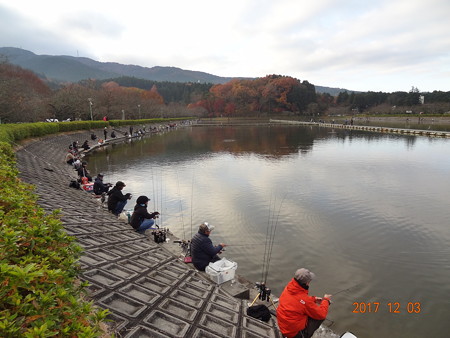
[[299, 314]]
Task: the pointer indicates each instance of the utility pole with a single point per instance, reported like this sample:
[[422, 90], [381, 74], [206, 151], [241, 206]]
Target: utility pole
[[90, 108]]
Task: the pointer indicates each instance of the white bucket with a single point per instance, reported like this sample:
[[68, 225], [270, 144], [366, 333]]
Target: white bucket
[[221, 271]]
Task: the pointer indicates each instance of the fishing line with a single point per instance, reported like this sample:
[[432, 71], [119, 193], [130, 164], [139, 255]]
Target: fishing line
[[347, 289], [153, 188], [161, 197], [181, 204], [267, 239], [192, 199], [270, 236], [274, 228]]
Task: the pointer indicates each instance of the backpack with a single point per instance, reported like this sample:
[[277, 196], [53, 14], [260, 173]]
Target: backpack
[[260, 312], [75, 184]]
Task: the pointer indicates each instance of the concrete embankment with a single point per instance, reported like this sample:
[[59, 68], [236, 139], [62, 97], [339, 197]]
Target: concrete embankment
[[149, 290]]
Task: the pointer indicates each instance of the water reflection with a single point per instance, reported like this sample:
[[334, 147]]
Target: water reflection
[[357, 208]]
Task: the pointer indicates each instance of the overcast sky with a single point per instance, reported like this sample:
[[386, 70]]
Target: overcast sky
[[376, 45]]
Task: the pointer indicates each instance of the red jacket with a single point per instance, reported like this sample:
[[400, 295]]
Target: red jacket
[[294, 308]]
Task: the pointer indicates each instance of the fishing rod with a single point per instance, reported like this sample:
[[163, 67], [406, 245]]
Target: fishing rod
[[161, 196], [347, 289], [181, 203], [267, 240], [264, 293], [247, 244], [270, 238], [192, 199]]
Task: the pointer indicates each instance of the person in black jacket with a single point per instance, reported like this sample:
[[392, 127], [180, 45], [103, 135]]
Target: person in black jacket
[[141, 219], [116, 199], [202, 250], [85, 145], [99, 186]]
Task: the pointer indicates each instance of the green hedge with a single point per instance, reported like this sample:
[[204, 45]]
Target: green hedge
[[40, 295], [20, 131], [39, 292]]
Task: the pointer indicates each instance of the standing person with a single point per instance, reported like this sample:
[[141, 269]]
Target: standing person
[[141, 219], [116, 199], [99, 186], [202, 250], [298, 314], [131, 131], [105, 133]]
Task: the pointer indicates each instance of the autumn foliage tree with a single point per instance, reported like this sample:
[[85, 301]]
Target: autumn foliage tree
[[23, 95], [271, 94]]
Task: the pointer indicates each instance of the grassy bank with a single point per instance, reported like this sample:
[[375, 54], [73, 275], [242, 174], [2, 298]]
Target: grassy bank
[[40, 295]]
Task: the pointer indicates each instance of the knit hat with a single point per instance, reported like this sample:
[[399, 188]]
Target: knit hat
[[304, 276], [142, 200]]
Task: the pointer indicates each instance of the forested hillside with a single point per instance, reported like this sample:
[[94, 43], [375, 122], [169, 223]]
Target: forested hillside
[[25, 97]]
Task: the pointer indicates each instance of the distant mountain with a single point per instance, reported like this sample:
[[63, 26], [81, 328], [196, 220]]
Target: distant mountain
[[332, 91], [65, 68], [73, 69]]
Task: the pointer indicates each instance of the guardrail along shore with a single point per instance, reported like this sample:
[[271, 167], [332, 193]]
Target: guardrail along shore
[[390, 130]]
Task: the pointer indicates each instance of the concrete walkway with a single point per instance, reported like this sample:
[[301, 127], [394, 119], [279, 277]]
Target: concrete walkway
[[148, 289]]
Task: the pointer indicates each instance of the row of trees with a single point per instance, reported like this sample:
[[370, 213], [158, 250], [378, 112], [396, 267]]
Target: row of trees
[[396, 101], [24, 97], [172, 92]]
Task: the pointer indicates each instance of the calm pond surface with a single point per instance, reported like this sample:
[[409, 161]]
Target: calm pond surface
[[368, 213]]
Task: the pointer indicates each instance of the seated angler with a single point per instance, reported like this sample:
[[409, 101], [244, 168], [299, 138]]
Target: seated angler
[[202, 250], [99, 186], [84, 172], [141, 219], [85, 145], [70, 157], [299, 315], [116, 199]]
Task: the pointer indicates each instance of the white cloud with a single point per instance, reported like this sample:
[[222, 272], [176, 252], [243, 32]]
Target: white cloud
[[379, 45]]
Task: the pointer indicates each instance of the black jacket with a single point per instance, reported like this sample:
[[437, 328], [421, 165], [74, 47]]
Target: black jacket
[[139, 214], [100, 187], [203, 252], [115, 196]]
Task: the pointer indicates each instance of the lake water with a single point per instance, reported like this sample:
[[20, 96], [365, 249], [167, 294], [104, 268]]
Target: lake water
[[367, 213]]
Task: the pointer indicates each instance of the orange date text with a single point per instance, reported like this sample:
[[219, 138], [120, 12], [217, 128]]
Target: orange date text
[[390, 307]]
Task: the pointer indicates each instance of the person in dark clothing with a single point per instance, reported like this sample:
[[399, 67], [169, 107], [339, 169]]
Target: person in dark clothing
[[116, 199], [99, 186], [85, 145], [75, 145], [84, 172], [105, 133], [93, 137], [202, 250], [113, 134], [141, 219]]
